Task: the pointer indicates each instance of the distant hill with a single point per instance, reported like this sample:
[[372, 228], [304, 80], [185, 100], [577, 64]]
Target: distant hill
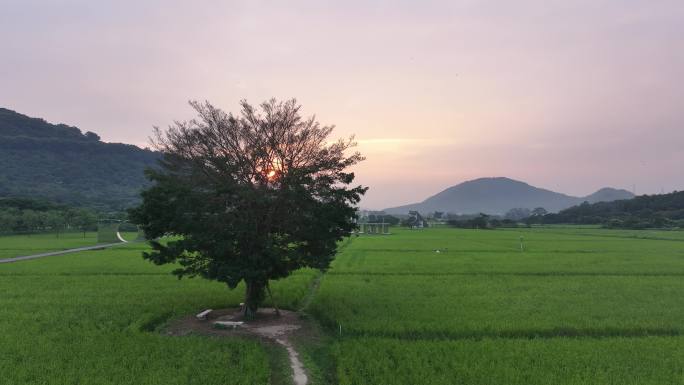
[[608, 194], [60, 163], [645, 211], [498, 195]]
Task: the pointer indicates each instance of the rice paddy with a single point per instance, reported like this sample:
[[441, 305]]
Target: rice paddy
[[437, 306]]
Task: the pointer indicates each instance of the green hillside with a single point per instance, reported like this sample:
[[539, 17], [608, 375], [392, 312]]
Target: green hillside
[[62, 164], [645, 211]]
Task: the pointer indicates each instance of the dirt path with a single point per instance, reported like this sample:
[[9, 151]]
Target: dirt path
[[267, 326], [297, 367]]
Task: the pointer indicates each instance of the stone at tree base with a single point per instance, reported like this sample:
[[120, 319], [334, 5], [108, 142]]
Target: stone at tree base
[[227, 324], [204, 314]]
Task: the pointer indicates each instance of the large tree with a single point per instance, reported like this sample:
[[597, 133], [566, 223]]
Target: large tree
[[249, 197]]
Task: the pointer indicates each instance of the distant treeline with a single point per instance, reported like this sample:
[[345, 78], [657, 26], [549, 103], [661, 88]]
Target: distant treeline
[[381, 218], [645, 211], [481, 221], [20, 215], [642, 212]]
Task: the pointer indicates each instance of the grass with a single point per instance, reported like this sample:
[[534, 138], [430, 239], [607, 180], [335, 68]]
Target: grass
[[94, 318], [18, 245], [27, 244], [675, 235], [525, 306], [613, 361], [577, 306]]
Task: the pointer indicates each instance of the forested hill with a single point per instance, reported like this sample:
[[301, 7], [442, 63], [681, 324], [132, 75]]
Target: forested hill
[[645, 211], [60, 163]]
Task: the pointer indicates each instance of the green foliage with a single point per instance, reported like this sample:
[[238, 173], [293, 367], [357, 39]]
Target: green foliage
[[645, 211], [518, 213], [382, 218], [252, 197], [482, 221], [21, 215], [58, 162]]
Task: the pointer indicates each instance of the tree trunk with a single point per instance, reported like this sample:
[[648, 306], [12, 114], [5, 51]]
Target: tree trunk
[[254, 294], [275, 306]]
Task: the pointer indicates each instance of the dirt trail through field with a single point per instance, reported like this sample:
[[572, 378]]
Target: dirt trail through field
[[267, 326]]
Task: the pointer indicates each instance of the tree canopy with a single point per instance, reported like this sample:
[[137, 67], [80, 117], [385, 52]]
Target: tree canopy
[[23, 215], [250, 197]]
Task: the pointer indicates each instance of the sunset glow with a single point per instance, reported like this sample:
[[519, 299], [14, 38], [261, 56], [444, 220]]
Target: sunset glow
[[353, 192], [569, 95]]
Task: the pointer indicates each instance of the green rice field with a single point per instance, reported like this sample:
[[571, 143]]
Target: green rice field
[[95, 318], [576, 306], [27, 244], [435, 306]]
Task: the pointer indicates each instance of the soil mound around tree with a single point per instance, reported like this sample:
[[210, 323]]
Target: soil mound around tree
[[267, 326]]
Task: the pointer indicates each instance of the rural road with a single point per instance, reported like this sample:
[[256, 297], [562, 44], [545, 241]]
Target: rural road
[[54, 253]]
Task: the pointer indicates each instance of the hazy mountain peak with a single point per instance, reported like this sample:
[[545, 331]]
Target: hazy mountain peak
[[608, 194], [497, 195]]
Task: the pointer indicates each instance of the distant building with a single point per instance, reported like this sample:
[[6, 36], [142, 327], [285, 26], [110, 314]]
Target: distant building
[[416, 221]]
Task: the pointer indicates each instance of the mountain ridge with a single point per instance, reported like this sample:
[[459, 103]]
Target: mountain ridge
[[497, 195], [60, 163]]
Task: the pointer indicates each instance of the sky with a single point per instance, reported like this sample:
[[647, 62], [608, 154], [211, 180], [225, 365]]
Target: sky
[[570, 96]]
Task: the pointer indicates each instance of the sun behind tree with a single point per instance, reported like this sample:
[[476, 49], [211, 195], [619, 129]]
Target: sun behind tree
[[250, 197]]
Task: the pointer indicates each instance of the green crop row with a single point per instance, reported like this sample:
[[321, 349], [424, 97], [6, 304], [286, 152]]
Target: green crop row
[[558, 361], [96, 318], [505, 306], [447, 306]]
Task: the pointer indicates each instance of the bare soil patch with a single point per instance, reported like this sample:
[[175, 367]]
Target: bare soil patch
[[267, 326]]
